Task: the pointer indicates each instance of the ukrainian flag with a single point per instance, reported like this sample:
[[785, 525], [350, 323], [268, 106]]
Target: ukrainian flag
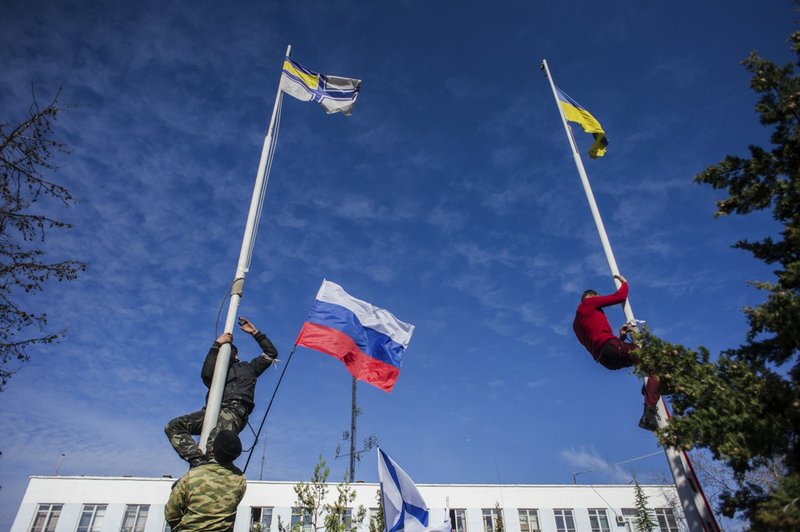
[[333, 93], [576, 113]]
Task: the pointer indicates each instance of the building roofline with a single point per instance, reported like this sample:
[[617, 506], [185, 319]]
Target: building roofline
[[166, 478]]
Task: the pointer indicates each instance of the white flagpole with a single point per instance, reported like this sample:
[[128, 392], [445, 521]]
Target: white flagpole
[[380, 486], [598, 221], [251, 228], [695, 506]]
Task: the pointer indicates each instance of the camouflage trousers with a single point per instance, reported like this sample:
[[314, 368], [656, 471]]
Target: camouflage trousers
[[233, 416]]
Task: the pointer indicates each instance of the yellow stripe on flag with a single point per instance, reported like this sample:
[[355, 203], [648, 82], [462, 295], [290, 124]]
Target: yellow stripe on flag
[[582, 117], [308, 80]]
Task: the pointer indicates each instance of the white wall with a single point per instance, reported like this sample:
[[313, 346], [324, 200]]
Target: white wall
[[73, 492]]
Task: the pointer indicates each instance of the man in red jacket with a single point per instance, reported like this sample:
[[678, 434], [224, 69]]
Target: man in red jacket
[[594, 332]]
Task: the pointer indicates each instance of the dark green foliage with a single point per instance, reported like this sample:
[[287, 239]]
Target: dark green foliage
[[736, 409], [744, 405], [643, 521], [25, 152], [742, 411], [769, 180], [376, 523]]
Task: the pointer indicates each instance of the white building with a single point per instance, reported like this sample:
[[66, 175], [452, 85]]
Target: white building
[[127, 504]]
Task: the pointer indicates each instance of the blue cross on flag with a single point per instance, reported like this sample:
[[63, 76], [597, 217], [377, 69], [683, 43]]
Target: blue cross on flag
[[335, 94], [403, 506]]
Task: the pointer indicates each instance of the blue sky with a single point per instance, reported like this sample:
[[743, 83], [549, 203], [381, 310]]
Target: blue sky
[[449, 197]]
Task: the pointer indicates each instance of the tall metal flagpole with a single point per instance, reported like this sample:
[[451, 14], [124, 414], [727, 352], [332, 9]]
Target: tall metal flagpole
[[695, 506], [250, 229]]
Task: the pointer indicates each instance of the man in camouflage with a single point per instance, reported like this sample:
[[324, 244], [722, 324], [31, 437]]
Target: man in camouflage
[[206, 497], [237, 397]]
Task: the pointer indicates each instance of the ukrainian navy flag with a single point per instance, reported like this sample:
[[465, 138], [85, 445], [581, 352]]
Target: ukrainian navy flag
[[334, 94], [576, 113]]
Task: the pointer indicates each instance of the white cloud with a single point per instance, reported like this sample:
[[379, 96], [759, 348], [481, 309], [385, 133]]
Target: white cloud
[[538, 383], [587, 460]]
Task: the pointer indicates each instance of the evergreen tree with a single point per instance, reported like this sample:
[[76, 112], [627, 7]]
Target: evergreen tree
[[376, 523], [744, 404], [643, 521], [499, 524], [26, 150]]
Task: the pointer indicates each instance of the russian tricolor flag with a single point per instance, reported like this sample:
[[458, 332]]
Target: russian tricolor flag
[[369, 340]]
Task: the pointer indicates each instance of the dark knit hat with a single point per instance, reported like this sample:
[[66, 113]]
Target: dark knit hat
[[588, 293], [227, 447]]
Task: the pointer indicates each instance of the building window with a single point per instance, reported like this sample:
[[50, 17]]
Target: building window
[[373, 519], [260, 518], [46, 517], [598, 519], [565, 520], [629, 516], [301, 520], [490, 516], [663, 517], [458, 520], [135, 518], [92, 518], [529, 520], [666, 520]]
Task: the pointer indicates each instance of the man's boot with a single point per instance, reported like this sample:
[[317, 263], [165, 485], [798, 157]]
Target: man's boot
[[650, 417]]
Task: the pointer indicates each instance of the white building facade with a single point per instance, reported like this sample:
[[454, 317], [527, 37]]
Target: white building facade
[[127, 504]]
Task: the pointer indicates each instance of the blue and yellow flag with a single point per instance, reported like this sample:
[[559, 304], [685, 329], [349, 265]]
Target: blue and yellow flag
[[335, 94], [576, 113]]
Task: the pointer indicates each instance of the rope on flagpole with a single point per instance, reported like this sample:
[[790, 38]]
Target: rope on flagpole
[[216, 390], [222, 303], [270, 157], [269, 406]]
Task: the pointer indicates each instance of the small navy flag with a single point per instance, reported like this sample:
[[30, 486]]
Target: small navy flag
[[334, 94], [403, 506]]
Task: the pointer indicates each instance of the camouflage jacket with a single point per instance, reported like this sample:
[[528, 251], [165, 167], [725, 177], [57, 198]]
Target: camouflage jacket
[[205, 498]]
